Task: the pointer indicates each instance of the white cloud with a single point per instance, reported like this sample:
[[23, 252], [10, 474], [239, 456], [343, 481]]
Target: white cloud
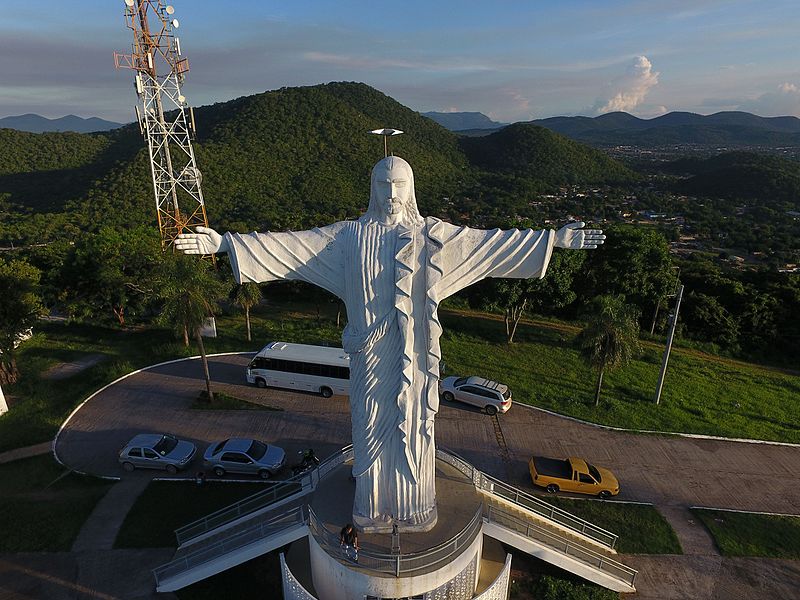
[[632, 88]]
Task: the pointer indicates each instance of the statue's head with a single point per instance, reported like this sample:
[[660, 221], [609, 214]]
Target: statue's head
[[392, 199]]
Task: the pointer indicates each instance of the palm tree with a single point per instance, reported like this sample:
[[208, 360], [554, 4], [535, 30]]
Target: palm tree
[[247, 296], [611, 337], [189, 289]]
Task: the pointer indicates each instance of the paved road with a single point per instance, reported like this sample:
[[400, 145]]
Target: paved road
[[670, 471], [665, 470]]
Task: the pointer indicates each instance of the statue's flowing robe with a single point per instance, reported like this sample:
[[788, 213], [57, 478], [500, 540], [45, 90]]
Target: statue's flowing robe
[[392, 279]]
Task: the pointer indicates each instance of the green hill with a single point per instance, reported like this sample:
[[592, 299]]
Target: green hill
[[742, 176], [533, 152], [288, 158]]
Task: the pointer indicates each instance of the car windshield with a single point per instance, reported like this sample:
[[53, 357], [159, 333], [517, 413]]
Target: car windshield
[[257, 450], [595, 473], [165, 445], [460, 381], [507, 394]]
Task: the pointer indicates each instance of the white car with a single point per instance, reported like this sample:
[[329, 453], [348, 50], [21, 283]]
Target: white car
[[157, 451], [493, 397]]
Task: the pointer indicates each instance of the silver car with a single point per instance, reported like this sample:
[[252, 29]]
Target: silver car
[[238, 455], [157, 451], [491, 396]]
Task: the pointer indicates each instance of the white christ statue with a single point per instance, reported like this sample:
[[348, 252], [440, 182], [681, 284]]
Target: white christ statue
[[391, 268]]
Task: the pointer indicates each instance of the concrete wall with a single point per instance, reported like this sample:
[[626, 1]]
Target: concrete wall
[[335, 581]]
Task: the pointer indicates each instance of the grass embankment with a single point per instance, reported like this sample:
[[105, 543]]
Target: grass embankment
[[703, 393], [42, 506], [640, 527], [750, 534], [165, 506]]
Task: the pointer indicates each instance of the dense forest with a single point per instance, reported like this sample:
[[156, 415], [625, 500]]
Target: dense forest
[[79, 208]]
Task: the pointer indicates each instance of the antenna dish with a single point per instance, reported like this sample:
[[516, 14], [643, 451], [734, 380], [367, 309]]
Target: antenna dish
[[170, 9], [181, 98], [386, 131], [175, 23], [129, 2]]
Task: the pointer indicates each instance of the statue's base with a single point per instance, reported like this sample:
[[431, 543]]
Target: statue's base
[[419, 525], [447, 557]]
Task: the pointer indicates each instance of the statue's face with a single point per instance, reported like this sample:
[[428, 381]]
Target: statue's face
[[393, 190]]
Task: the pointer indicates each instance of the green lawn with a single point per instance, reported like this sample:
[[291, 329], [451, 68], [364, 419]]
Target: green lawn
[[165, 506], [750, 534], [640, 527], [702, 394], [42, 508]]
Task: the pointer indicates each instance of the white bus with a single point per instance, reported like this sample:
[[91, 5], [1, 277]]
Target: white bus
[[301, 367]]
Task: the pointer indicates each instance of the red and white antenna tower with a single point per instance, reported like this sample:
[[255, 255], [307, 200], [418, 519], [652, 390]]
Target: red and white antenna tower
[[165, 119]]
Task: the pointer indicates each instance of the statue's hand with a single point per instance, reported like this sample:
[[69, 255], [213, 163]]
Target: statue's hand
[[205, 241], [572, 236]]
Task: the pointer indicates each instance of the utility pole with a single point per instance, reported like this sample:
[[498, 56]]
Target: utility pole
[[164, 117], [673, 322]]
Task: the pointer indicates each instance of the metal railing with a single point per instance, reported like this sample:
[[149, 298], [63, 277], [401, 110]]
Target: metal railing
[[560, 543], [397, 564], [276, 492], [298, 485], [257, 532], [495, 487]]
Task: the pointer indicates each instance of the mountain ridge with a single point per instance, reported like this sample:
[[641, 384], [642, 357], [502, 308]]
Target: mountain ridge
[[33, 123]]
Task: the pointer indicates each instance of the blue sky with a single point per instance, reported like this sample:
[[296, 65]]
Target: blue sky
[[510, 60]]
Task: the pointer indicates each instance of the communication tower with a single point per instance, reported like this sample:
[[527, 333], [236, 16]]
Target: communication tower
[[164, 118]]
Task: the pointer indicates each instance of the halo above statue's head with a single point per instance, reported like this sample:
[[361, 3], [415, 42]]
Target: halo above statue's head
[[392, 167]]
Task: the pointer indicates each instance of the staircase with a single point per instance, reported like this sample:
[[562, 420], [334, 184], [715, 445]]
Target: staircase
[[536, 527], [233, 546]]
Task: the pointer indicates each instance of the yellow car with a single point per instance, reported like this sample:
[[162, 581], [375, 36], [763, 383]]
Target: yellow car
[[572, 475]]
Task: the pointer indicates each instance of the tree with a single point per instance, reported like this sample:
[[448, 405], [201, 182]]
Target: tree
[[20, 308], [634, 262], [110, 273], [190, 290], [611, 337], [247, 295]]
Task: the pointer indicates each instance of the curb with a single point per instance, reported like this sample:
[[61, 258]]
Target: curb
[[745, 512], [696, 436], [108, 385]]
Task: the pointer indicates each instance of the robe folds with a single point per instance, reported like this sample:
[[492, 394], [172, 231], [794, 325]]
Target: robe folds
[[392, 279]]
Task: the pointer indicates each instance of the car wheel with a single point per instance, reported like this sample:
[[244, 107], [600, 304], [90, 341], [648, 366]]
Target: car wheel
[[491, 410], [552, 488], [172, 469], [260, 382], [326, 392], [449, 396], [128, 466], [264, 474], [604, 494], [219, 471]]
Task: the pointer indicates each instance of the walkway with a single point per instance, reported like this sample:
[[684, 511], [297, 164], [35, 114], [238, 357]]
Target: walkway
[[27, 452]]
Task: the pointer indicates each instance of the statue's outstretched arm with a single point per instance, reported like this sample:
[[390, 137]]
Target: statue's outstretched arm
[[574, 237], [204, 241]]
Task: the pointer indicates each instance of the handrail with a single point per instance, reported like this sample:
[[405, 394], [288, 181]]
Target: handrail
[[279, 490], [397, 564], [291, 518], [495, 487], [560, 543]]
